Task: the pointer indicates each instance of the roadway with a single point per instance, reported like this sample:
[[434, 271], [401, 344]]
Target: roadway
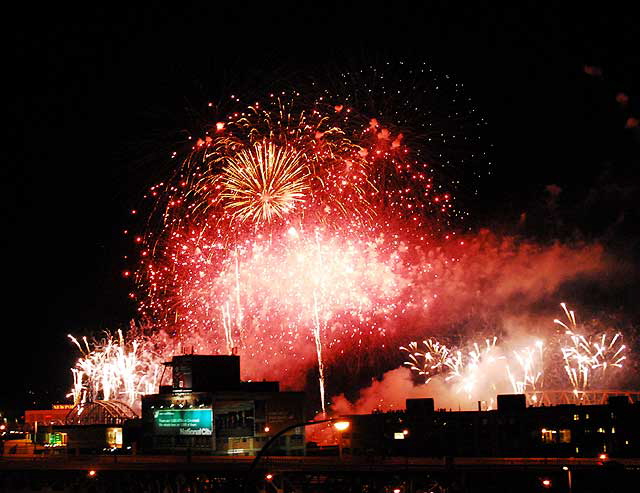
[[240, 464]]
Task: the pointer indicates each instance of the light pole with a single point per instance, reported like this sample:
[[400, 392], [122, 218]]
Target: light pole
[[568, 476], [340, 424]]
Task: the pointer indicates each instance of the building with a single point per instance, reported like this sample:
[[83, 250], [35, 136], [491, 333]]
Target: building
[[511, 430], [208, 409], [100, 426], [91, 427], [34, 418]]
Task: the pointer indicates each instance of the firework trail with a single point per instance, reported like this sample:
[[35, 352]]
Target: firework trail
[[113, 369], [589, 356], [526, 370], [431, 361], [465, 366], [461, 368]]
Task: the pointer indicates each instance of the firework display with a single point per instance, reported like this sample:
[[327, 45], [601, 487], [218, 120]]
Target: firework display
[[434, 359], [589, 357], [297, 230], [112, 368], [482, 370], [290, 227]]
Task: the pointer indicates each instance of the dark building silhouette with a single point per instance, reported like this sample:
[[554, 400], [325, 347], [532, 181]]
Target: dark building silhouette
[[512, 430], [208, 409]]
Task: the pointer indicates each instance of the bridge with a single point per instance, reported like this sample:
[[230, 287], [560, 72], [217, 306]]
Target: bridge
[[240, 464], [276, 474]]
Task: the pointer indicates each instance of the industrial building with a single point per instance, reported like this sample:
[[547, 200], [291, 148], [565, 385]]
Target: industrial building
[[511, 430], [209, 410]]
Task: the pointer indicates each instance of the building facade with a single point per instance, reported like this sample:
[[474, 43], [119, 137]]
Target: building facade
[[512, 430], [208, 409]]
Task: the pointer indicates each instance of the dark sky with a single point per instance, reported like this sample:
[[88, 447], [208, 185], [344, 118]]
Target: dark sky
[[95, 96]]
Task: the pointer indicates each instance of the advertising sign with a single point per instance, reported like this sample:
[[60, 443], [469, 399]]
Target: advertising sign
[[185, 422]]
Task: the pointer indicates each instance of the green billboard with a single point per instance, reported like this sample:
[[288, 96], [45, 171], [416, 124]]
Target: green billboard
[[183, 422]]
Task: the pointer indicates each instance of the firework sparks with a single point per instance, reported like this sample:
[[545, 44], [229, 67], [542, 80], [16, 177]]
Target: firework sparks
[[526, 375], [297, 229], [465, 367], [590, 356], [293, 230], [111, 368], [609, 354], [461, 368], [267, 239], [431, 361], [263, 182], [589, 360]]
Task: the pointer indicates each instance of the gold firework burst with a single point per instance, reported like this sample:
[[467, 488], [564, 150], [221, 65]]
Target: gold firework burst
[[264, 181]]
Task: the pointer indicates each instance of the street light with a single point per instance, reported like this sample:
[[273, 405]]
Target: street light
[[565, 468], [339, 424]]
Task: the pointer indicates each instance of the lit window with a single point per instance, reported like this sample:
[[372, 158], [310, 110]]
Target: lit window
[[613, 430], [548, 435], [586, 416], [600, 430], [564, 436], [576, 417]]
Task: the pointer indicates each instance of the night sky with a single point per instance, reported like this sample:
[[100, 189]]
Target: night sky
[[96, 98]]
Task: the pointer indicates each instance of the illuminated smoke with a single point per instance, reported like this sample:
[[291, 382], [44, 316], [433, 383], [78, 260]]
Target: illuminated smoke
[[305, 235]]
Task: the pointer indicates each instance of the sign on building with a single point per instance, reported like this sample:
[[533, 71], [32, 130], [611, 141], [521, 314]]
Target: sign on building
[[184, 422]]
